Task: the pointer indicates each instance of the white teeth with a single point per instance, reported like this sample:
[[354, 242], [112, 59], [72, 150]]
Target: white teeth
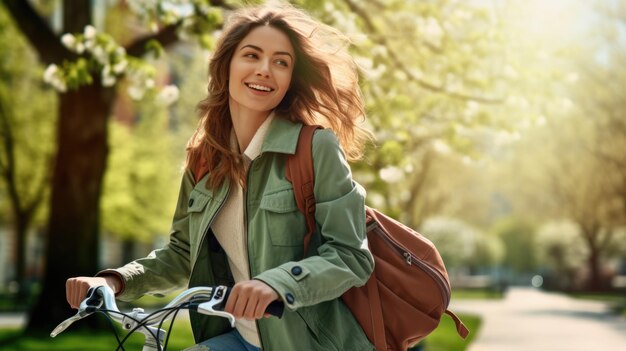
[[259, 87]]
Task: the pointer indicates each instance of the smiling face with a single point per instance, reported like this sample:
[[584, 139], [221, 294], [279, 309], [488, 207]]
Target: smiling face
[[260, 70]]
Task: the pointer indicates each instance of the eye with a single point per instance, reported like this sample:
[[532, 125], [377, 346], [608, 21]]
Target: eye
[[251, 55], [282, 62]]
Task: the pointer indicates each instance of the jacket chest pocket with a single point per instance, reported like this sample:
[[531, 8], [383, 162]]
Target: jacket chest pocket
[[282, 219], [197, 220]]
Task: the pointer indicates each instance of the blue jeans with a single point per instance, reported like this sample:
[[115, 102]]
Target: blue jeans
[[231, 341]]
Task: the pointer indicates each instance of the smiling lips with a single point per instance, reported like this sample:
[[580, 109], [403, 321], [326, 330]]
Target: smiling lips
[[259, 87]]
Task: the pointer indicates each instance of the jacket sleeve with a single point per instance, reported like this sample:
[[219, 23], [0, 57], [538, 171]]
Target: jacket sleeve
[[163, 270], [343, 259]]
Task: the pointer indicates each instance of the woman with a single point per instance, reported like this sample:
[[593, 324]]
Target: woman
[[236, 221]]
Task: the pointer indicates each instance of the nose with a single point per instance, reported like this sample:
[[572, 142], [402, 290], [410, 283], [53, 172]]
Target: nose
[[263, 69]]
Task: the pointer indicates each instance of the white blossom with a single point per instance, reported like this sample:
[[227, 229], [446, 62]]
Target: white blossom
[[106, 70], [135, 92], [441, 147], [80, 48], [89, 32], [69, 41], [431, 29], [120, 51], [141, 6], [391, 174], [60, 86], [50, 73], [89, 44], [204, 8], [100, 55], [119, 67], [149, 83], [168, 95], [108, 80]]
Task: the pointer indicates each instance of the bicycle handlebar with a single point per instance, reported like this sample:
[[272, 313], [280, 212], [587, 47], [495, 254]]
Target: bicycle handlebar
[[213, 303]]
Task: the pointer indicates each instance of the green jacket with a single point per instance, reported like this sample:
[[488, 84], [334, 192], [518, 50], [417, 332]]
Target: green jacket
[[314, 318]]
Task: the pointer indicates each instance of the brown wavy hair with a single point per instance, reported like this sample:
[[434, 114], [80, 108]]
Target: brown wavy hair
[[324, 90]]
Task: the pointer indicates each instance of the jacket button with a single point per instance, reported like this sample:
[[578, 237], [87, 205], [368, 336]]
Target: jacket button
[[296, 270], [190, 202], [290, 298]]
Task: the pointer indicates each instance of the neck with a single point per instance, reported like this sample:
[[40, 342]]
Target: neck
[[246, 122]]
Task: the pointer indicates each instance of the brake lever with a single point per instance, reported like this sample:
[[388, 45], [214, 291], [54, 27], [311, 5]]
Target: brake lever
[[89, 305], [66, 323], [215, 306]]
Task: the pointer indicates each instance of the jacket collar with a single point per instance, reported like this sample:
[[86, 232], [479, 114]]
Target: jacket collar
[[254, 147], [282, 136]]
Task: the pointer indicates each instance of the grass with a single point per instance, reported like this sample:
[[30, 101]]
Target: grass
[[445, 337], [616, 300], [79, 340], [479, 294]]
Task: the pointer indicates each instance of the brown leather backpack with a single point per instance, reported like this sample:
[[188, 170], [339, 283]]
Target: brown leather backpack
[[408, 292]]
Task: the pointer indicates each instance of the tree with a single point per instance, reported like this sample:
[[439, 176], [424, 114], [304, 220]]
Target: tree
[[84, 110], [518, 238], [426, 87], [455, 239], [559, 248], [26, 139]]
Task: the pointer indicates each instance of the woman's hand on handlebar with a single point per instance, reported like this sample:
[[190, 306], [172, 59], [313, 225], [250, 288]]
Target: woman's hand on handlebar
[[76, 288], [249, 299]]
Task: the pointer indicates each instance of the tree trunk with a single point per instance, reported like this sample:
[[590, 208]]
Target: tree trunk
[[128, 250], [21, 230], [73, 225], [595, 275]]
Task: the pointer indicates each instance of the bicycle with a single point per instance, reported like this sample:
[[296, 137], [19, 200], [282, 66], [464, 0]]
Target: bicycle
[[209, 300]]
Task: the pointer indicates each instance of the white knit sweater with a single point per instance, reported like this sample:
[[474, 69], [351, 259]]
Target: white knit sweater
[[230, 230]]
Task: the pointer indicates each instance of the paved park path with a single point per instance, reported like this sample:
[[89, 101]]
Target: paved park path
[[532, 320], [12, 320]]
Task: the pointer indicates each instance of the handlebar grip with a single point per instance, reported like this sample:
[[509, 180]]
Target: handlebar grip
[[275, 308]]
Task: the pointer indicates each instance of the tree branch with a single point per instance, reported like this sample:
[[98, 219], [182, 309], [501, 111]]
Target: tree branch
[[380, 40], [222, 4], [166, 36], [37, 31]]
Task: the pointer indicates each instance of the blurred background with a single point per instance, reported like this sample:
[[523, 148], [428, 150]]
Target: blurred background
[[500, 135]]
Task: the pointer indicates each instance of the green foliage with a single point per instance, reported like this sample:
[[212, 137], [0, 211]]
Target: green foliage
[[141, 182], [28, 108], [430, 75], [455, 240], [154, 47], [519, 241]]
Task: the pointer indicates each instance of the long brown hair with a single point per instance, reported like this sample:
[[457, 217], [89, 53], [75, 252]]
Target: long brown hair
[[324, 89]]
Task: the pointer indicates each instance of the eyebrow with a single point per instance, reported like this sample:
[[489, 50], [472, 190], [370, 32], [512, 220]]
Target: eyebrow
[[261, 50]]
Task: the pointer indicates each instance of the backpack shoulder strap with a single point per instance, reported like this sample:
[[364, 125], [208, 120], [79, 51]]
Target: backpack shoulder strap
[[299, 171]]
